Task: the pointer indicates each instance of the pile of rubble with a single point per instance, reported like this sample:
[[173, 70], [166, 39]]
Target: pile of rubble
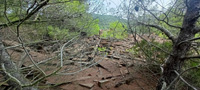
[[88, 68], [115, 71]]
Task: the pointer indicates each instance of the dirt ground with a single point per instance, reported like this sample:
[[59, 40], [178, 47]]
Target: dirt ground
[[116, 69]]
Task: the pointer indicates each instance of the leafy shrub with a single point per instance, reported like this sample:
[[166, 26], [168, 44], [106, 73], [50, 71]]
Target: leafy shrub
[[57, 33], [152, 50], [90, 26], [117, 30], [102, 49], [70, 19]]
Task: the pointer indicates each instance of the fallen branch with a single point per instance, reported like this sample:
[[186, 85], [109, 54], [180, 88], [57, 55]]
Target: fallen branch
[[10, 71]]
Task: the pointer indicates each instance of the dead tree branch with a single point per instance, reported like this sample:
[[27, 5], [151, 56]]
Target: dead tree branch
[[165, 31], [32, 12], [5, 10], [10, 71], [166, 22], [185, 81], [191, 57], [189, 40], [196, 67]]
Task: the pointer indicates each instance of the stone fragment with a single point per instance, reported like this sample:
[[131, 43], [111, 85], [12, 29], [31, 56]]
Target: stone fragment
[[87, 85], [101, 82]]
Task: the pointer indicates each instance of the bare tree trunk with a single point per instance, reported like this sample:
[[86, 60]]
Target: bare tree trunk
[[10, 71], [180, 48]]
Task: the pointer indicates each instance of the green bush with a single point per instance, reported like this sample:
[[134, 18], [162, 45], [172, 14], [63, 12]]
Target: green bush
[[57, 33], [117, 30], [102, 49], [152, 50]]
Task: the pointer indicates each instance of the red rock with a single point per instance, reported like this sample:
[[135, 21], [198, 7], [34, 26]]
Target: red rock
[[87, 85]]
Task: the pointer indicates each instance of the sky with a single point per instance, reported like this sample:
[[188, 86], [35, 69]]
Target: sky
[[105, 6], [116, 3]]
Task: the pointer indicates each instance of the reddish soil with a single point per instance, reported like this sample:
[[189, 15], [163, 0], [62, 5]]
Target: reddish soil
[[117, 71]]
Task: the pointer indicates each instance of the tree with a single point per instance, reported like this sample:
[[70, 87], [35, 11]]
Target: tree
[[9, 69], [172, 68], [182, 44], [31, 12], [70, 19]]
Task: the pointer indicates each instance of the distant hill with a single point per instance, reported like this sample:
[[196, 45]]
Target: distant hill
[[105, 20]]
